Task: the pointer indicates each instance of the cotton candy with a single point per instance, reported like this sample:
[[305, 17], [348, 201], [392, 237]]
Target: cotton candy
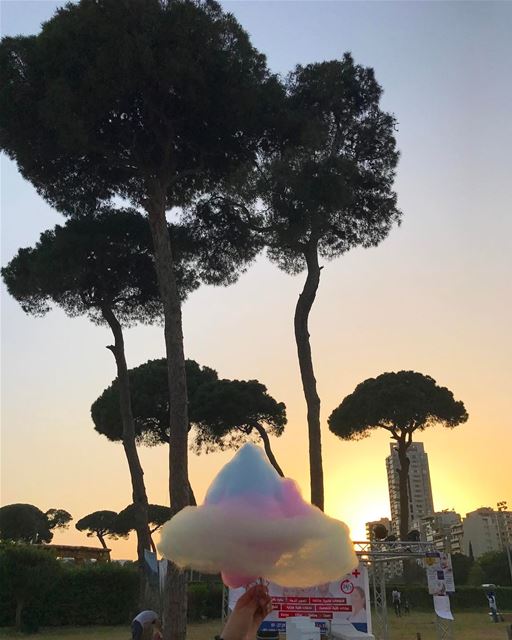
[[255, 524]]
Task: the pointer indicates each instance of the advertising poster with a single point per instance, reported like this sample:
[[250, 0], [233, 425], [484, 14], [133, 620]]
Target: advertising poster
[[346, 599], [439, 573]]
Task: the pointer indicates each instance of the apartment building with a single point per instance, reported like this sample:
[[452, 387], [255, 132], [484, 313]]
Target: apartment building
[[457, 538], [437, 529], [419, 487], [487, 530]]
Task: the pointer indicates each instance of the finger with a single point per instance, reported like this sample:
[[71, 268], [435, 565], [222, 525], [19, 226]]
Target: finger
[[265, 600], [264, 609], [251, 593]]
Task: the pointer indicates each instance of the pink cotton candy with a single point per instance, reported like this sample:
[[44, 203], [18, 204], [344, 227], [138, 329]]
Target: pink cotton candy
[[235, 580], [256, 524]]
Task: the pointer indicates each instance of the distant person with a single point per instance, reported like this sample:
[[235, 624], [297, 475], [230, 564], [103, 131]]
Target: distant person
[[493, 607], [145, 620], [358, 602], [397, 604]]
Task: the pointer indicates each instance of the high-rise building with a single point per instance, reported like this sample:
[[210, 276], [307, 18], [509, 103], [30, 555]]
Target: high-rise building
[[419, 488]]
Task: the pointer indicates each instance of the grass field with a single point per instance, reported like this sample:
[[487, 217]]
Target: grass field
[[467, 626]]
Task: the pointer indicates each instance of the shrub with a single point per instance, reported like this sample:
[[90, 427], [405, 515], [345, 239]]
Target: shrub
[[90, 594], [94, 594], [26, 578], [204, 601]]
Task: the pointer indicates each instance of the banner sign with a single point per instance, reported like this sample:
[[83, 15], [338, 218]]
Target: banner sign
[[439, 573], [442, 607], [344, 600]]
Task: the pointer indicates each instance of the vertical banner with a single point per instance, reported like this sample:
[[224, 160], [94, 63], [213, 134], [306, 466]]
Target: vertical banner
[[344, 600], [439, 573], [442, 607], [151, 568], [162, 573]]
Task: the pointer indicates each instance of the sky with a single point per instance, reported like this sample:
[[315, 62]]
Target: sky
[[434, 297]]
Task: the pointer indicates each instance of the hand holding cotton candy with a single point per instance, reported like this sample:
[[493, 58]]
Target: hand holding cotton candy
[[249, 612], [255, 524]]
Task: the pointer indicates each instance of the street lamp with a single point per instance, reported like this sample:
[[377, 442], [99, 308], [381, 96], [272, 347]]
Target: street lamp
[[502, 506]]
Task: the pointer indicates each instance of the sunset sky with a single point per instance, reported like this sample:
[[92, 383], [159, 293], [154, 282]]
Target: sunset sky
[[434, 297]]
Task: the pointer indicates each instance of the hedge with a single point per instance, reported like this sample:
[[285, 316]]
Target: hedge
[[204, 601], [465, 598], [107, 594], [94, 594], [90, 594], [103, 594]]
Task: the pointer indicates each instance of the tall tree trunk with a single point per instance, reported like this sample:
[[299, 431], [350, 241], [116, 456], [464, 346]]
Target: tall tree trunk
[[405, 494], [192, 497], [102, 540], [139, 496], [268, 449], [19, 612], [304, 304], [175, 600], [403, 476]]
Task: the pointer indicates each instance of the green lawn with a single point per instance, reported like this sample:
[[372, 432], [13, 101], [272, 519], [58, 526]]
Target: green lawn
[[467, 626], [203, 631]]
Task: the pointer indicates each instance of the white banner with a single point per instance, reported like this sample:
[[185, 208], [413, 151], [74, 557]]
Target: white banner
[[346, 599], [442, 607], [439, 573]]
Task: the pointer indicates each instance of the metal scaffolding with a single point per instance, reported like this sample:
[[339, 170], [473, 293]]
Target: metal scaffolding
[[375, 554], [444, 629]]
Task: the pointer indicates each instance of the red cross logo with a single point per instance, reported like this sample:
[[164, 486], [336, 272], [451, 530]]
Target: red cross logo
[[356, 573]]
